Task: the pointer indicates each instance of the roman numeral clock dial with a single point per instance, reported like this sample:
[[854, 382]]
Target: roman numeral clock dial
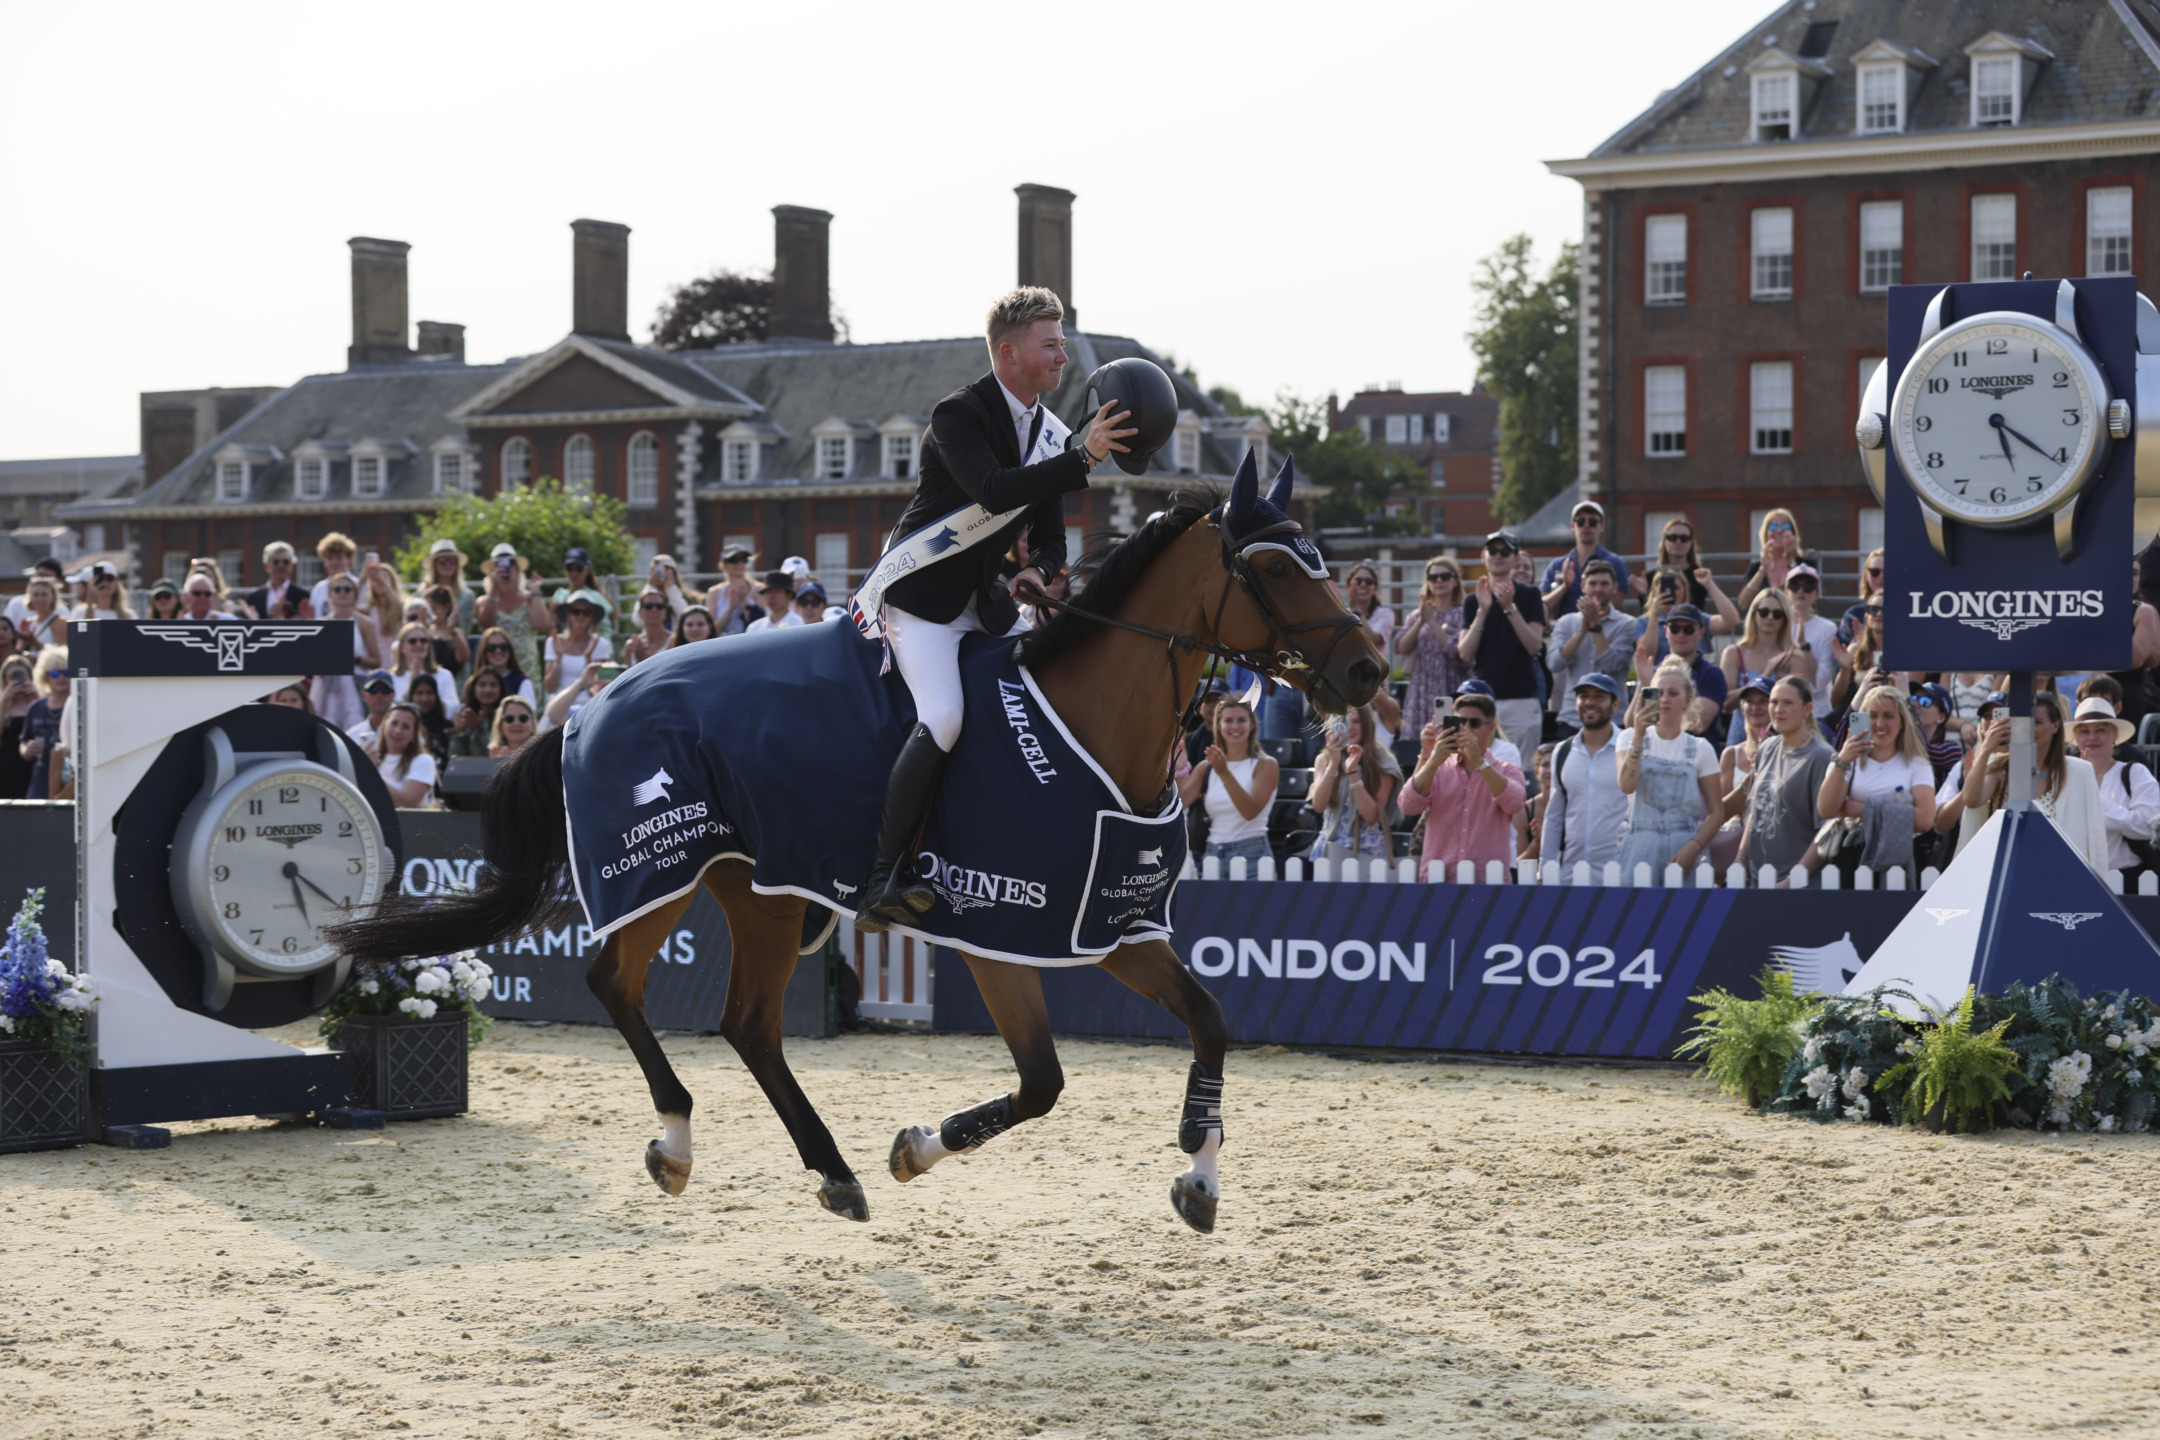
[[2000, 421]]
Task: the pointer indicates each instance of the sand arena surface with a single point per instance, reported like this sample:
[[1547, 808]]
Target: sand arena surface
[[1409, 1249]]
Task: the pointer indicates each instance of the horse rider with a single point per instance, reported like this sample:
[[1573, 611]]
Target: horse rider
[[995, 465]]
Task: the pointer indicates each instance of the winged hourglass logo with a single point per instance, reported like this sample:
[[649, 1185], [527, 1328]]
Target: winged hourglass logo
[[231, 644]]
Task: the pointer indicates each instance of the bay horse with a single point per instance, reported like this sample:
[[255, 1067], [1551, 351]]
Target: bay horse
[[1229, 578]]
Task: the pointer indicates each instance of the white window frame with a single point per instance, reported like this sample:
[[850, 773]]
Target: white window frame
[[1994, 258], [1993, 106], [451, 477], [1665, 263], [175, 565], [578, 467], [900, 456], [1881, 265], [311, 477], [2110, 238], [1767, 113], [1770, 269], [1770, 414], [835, 456], [1891, 78], [1417, 429], [739, 465], [1185, 453], [370, 475], [829, 556], [1665, 401], [232, 480], [1364, 425], [641, 471], [1398, 432], [1442, 423], [515, 458]]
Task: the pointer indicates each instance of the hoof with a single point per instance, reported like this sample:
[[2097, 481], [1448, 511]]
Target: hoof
[[844, 1198], [668, 1173], [1193, 1202], [902, 1162]]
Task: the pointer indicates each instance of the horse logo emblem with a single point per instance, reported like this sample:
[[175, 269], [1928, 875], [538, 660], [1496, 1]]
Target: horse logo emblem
[[1818, 969], [653, 789], [2068, 919], [1152, 858], [944, 540], [1944, 917]]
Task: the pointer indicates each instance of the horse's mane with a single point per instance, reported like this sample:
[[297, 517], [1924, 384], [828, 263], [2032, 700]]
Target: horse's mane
[[1111, 567]]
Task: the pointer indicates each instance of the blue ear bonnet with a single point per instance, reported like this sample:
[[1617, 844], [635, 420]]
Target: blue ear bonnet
[[1252, 522]]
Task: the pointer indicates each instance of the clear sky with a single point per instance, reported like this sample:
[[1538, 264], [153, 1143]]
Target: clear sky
[[1281, 195]]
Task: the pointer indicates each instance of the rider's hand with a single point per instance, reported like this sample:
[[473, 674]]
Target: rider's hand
[[1103, 433], [1028, 579]]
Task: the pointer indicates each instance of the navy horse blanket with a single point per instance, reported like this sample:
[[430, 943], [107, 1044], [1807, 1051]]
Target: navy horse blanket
[[774, 748]]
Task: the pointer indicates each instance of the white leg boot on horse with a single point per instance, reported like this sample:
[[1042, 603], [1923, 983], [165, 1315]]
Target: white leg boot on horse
[[1013, 994]]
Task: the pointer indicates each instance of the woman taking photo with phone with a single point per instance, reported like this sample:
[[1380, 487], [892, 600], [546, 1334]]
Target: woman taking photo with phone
[[18, 692], [2064, 787], [1676, 552], [1670, 778], [513, 602], [1238, 779], [1882, 759], [1351, 787], [1779, 542]]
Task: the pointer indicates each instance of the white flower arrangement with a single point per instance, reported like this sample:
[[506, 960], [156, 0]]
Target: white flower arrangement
[[422, 988]]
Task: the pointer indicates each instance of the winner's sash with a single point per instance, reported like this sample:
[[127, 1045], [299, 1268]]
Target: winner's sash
[[949, 534]]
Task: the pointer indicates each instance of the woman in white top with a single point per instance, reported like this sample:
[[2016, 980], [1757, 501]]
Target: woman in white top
[[1361, 588], [576, 646], [1753, 704], [1239, 780], [107, 600], [1815, 637], [2063, 785], [1888, 760], [1669, 776], [2129, 796], [42, 618], [336, 697], [415, 655], [399, 751]]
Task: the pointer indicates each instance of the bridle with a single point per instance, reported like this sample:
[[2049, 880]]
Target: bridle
[[1277, 658]]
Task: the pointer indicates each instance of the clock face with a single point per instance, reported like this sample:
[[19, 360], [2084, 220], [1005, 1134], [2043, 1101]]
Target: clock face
[[292, 850], [2000, 420]]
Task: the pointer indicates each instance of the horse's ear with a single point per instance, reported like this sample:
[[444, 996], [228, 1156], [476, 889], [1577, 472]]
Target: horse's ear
[[1244, 492], [1279, 493]]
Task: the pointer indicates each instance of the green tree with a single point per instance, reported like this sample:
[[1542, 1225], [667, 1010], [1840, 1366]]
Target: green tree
[[1525, 341], [1360, 477], [723, 308], [541, 521]]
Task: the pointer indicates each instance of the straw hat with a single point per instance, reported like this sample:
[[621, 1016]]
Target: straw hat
[[2094, 708]]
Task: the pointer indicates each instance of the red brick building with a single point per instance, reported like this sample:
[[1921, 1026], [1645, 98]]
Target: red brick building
[[1739, 235], [1452, 436]]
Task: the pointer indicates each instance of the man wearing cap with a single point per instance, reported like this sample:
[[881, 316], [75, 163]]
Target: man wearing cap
[[778, 596], [1563, 585], [1681, 631], [279, 597], [1503, 630], [377, 692], [1592, 638], [809, 603], [1583, 815], [992, 447]]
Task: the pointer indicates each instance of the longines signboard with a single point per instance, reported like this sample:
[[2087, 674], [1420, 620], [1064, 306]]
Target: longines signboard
[[2007, 421]]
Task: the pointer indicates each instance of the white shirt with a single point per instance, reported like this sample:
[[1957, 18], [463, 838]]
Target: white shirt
[[1701, 753], [2127, 812], [418, 767], [1819, 635], [766, 622], [1872, 777], [1023, 419], [1225, 823], [1586, 825]]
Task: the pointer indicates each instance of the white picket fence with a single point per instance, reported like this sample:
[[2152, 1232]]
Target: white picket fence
[[894, 972], [1531, 872]]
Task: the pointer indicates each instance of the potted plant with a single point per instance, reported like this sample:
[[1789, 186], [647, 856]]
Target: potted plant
[[44, 1046], [410, 1029]]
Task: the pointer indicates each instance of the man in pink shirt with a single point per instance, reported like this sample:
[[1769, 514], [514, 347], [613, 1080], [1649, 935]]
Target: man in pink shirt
[[1468, 798]]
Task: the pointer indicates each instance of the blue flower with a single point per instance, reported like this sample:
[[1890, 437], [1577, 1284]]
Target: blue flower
[[28, 987]]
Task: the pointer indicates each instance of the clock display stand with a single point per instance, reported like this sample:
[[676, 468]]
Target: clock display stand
[[165, 713]]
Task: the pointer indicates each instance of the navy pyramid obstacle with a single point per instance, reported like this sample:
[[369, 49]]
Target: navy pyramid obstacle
[[2017, 905]]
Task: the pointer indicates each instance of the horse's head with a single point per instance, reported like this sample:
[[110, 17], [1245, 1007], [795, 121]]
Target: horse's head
[[1279, 607]]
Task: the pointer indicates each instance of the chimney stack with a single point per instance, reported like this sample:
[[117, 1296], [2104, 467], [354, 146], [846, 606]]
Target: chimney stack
[[1046, 242], [802, 275], [440, 337], [600, 280], [378, 302]]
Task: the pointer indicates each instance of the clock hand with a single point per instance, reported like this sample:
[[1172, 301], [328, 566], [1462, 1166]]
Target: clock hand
[[2002, 434], [2041, 450], [292, 872]]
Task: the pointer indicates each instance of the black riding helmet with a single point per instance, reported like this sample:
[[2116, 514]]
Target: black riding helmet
[[1141, 387]]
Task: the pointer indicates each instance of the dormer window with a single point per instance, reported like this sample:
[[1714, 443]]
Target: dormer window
[[456, 468], [900, 456], [232, 479], [2003, 69], [833, 456], [1774, 95], [367, 477], [1185, 445], [739, 462], [235, 468], [1882, 100], [311, 477]]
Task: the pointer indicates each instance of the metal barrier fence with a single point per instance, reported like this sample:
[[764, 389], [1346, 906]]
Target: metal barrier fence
[[1533, 872]]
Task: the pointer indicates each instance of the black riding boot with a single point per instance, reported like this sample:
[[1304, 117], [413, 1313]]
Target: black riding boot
[[893, 895]]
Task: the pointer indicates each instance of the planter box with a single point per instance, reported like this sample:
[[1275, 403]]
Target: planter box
[[44, 1102], [408, 1069]]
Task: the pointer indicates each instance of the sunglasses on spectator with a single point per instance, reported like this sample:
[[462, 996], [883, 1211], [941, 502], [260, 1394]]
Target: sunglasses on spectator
[[344, 589], [1770, 614], [660, 605], [1684, 537], [1363, 580], [1587, 522], [1874, 572], [1923, 702], [1778, 527], [416, 640], [516, 717], [1873, 609], [1439, 575], [585, 610], [496, 645], [1680, 627], [57, 673], [1473, 722], [1802, 583]]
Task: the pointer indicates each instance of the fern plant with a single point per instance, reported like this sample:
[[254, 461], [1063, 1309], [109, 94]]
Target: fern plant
[[1956, 1070], [1746, 1045]]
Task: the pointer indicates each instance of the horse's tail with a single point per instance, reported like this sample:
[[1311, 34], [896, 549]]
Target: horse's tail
[[521, 887]]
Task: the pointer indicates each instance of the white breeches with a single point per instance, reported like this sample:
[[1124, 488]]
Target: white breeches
[[928, 656]]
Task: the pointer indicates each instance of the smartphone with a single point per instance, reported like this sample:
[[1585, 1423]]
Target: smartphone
[[609, 672], [374, 557], [506, 565], [1862, 726]]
